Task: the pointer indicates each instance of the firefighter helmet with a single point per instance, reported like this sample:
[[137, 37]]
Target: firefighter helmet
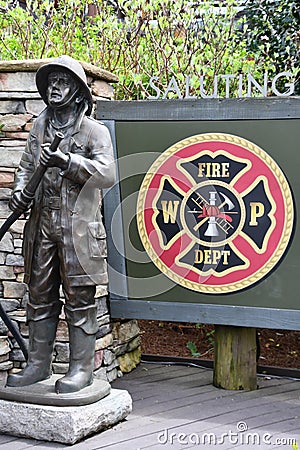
[[72, 67]]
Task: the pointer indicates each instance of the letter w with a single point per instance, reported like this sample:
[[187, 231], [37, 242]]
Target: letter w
[[169, 210]]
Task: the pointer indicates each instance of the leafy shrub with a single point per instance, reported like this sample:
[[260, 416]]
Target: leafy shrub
[[274, 34], [136, 40]]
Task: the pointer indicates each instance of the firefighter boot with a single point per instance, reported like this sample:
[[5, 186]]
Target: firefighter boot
[[82, 351], [41, 340]]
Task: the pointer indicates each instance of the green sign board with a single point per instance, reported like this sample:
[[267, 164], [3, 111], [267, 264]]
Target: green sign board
[[202, 225]]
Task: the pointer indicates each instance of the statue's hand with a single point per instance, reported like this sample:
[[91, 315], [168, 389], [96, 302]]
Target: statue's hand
[[53, 159], [17, 203]]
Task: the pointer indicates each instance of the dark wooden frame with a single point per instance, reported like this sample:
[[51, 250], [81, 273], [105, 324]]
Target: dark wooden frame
[[172, 110]]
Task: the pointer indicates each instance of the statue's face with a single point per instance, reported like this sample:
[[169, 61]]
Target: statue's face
[[61, 87]]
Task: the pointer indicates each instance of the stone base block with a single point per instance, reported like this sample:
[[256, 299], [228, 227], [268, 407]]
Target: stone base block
[[65, 424]]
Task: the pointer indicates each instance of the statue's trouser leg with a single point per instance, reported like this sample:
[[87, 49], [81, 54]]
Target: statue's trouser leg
[[42, 322], [43, 312], [83, 326]]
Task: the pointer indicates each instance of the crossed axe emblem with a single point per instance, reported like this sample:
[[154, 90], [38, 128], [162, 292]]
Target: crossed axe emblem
[[213, 214]]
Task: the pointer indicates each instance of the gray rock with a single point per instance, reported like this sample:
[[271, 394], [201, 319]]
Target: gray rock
[[5, 193], [17, 318], [63, 424], [4, 346], [7, 273], [101, 291], [62, 331], [12, 107], [18, 226], [104, 330], [128, 346], [15, 260], [25, 299], [108, 357], [10, 305], [18, 81], [13, 289], [112, 366], [6, 244], [35, 107], [14, 122], [103, 320], [4, 209], [12, 144], [3, 327], [102, 308], [4, 358], [98, 359], [18, 242], [102, 89], [129, 361], [112, 375], [17, 355], [60, 367], [104, 342], [6, 365], [22, 135], [10, 157], [62, 352], [24, 330], [125, 331], [6, 177], [18, 95], [100, 374]]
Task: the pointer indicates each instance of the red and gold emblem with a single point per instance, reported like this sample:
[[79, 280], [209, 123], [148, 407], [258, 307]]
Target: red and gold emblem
[[215, 213]]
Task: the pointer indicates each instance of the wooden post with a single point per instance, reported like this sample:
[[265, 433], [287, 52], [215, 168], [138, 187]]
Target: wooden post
[[235, 358]]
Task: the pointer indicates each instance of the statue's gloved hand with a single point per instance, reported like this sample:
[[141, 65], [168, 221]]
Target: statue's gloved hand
[[53, 159], [17, 203]]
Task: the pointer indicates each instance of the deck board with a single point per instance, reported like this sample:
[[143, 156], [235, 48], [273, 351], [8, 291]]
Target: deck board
[[183, 400]]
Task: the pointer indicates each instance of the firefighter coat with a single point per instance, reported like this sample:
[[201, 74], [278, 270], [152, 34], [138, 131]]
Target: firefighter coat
[[91, 167]]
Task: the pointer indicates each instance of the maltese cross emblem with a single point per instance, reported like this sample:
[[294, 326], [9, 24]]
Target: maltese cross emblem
[[215, 213]]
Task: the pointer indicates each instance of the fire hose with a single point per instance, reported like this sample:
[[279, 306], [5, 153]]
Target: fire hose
[[26, 196]]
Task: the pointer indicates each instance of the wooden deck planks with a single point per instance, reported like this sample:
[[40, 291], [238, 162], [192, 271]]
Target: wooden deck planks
[[188, 408], [193, 385], [18, 444], [183, 400], [145, 433]]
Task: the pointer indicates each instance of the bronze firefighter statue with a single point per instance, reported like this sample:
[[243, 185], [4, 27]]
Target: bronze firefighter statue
[[64, 223]]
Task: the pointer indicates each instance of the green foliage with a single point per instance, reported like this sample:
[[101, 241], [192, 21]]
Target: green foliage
[[162, 38], [193, 349], [209, 335], [274, 33]]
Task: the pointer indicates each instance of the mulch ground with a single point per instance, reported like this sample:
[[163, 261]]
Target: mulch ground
[[279, 348]]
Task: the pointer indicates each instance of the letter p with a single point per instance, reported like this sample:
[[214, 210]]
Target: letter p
[[257, 209]]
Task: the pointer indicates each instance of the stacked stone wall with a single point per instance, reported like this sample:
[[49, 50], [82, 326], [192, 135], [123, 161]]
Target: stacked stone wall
[[118, 342]]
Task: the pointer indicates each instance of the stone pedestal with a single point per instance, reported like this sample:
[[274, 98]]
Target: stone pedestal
[[65, 424]]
